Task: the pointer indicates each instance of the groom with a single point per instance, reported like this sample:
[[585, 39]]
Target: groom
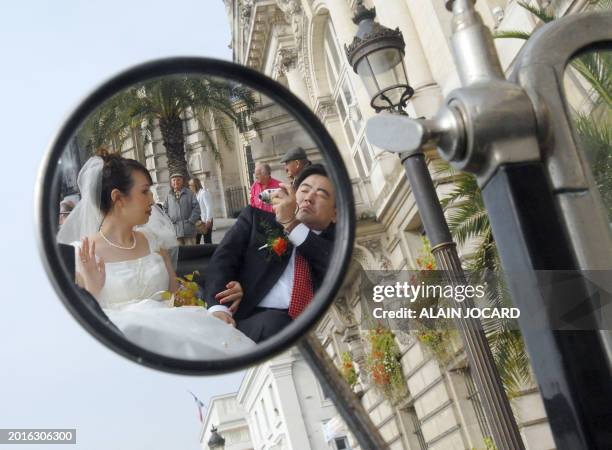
[[279, 258]]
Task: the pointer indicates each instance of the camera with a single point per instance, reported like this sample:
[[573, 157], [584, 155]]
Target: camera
[[266, 196]]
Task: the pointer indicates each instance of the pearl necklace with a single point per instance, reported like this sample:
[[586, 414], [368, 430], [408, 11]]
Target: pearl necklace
[[108, 241]]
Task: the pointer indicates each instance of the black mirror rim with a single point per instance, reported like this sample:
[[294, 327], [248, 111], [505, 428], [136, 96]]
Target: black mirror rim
[[72, 297]]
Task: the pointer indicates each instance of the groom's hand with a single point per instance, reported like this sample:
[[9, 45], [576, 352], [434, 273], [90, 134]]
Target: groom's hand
[[285, 206], [233, 294], [225, 317]]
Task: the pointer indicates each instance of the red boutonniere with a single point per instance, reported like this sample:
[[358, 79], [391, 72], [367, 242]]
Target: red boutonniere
[[279, 246], [275, 241]]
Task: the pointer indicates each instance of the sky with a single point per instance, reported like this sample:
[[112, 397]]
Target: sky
[[52, 373]]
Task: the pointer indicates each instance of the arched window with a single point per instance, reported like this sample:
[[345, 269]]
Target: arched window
[[340, 86]]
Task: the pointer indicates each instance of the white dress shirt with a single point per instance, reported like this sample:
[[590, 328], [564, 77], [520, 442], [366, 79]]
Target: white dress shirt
[[279, 296]]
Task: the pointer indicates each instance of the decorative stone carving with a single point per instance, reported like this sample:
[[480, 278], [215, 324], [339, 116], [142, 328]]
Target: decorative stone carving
[[286, 60], [289, 7], [299, 23], [293, 13], [375, 247], [345, 312], [246, 9], [325, 109], [303, 58], [244, 17]]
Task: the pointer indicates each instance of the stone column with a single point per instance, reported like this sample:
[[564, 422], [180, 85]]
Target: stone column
[[286, 64], [342, 17], [427, 97]]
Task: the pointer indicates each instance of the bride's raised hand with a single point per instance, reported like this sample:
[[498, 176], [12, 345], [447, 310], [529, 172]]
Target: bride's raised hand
[[93, 272], [233, 294]]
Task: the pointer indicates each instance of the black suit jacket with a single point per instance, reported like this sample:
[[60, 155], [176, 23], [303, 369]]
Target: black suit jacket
[[238, 258]]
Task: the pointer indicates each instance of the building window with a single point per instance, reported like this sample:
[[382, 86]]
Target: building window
[[342, 443], [325, 392], [273, 400], [346, 103], [412, 427], [258, 429], [264, 412]]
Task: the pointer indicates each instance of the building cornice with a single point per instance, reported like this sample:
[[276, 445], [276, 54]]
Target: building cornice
[[263, 16]]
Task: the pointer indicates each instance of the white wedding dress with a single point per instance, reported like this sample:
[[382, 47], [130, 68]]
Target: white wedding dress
[[131, 298]]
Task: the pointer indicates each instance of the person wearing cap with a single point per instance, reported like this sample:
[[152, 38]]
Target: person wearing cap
[[280, 259], [295, 160], [263, 181], [182, 207]]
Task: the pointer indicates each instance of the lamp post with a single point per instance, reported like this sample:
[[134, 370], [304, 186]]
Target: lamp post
[[216, 441], [377, 56]]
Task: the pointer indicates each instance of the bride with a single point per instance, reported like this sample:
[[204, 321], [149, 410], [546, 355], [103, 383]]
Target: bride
[[122, 240]]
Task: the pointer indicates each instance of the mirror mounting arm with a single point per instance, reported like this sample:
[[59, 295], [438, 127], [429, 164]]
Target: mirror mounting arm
[[348, 404]]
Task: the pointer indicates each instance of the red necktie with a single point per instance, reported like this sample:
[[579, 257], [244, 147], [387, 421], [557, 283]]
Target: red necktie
[[302, 293]]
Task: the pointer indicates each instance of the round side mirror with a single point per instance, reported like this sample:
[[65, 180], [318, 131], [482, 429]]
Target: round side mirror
[[163, 125]]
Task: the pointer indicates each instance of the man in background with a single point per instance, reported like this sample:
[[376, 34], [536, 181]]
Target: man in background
[[204, 226], [182, 207], [263, 181], [295, 161]]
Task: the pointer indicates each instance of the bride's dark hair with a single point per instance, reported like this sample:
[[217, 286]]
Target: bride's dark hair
[[117, 174]]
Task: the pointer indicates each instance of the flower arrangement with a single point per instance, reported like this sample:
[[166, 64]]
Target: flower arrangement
[[488, 443], [274, 240], [426, 260], [187, 294], [438, 343], [432, 333], [425, 272], [348, 369], [384, 365]]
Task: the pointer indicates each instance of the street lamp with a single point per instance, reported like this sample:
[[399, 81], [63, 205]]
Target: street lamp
[[216, 441], [377, 56]]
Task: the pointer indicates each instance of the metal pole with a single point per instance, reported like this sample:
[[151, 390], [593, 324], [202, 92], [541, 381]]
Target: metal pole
[[345, 400], [505, 431]]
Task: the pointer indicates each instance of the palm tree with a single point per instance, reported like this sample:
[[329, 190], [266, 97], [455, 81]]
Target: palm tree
[[164, 102]]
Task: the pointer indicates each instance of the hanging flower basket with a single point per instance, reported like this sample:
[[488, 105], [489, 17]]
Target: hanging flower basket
[[383, 364], [348, 369]]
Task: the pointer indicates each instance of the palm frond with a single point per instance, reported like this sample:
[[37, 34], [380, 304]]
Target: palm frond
[[596, 141], [511, 360], [512, 34], [467, 223], [601, 4], [596, 68], [544, 14]]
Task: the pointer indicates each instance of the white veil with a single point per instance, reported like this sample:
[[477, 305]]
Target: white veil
[[86, 218]]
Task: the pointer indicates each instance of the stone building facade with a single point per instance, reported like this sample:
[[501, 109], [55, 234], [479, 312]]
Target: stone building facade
[[300, 43], [280, 405], [225, 414]]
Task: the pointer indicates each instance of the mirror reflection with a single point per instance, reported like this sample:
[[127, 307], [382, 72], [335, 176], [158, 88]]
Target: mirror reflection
[[197, 213]]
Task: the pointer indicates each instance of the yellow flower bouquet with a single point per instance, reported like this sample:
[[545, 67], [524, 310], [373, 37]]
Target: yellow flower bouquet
[[187, 294]]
